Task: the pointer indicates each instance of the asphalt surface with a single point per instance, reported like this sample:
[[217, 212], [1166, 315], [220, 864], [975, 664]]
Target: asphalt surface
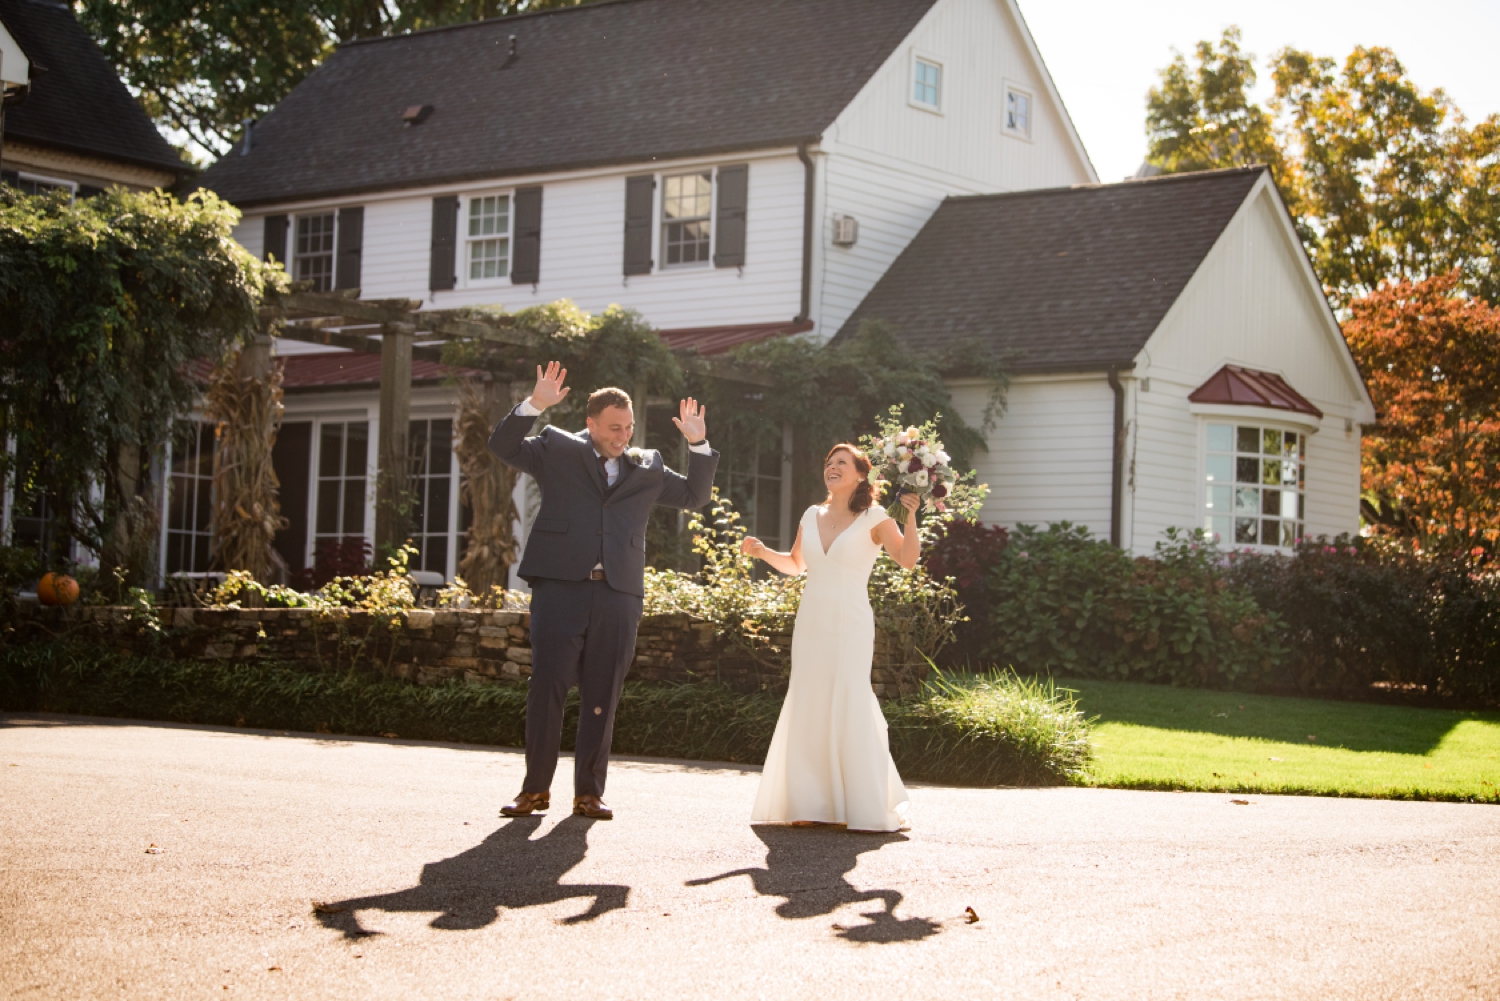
[[153, 861]]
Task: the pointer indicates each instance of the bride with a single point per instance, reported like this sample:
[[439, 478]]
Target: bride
[[830, 759]]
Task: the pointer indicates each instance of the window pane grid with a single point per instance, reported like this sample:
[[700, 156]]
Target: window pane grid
[[343, 454], [314, 251], [1018, 112], [686, 204], [190, 499], [1255, 478], [926, 83], [489, 237], [431, 458]]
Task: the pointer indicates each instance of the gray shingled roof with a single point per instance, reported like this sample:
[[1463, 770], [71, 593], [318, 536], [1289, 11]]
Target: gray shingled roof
[[607, 83], [77, 102], [1059, 279]]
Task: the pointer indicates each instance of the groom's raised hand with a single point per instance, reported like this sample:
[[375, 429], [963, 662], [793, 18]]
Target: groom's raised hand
[[549, 386], [692, 421]]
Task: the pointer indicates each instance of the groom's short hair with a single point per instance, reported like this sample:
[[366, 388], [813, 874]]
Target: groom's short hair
[[602, 399]]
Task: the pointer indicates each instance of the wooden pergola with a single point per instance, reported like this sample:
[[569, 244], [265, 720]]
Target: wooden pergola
[[399, 330]]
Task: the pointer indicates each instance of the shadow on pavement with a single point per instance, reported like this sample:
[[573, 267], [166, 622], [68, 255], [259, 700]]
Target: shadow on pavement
[[507, 869], [810, 868]]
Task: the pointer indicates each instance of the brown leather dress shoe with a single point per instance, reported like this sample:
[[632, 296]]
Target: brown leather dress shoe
[[592, 807], [526, 804]]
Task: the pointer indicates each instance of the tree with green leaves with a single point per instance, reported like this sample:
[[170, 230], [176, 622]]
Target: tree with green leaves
[[202, 68], [1201, 117], [1384, 180], [105, 304]]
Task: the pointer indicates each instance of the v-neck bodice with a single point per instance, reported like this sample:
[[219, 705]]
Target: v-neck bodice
[[849, 557]]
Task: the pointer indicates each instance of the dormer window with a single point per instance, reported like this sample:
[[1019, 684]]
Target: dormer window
[[927, 84], [1018, 105]]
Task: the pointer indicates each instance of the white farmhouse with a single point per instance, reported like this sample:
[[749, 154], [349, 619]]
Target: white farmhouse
[[733, 169], [737, 170]]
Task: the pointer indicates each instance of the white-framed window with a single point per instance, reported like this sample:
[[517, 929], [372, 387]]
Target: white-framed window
[[312, 253], [687, 218], [1020, 103], [342, 483], [926, 83], [1255, 478], [430, 447], [36, 184], [190, 481], [487, 238]]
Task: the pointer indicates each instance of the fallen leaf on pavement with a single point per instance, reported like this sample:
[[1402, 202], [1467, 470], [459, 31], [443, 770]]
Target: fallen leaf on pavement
[[970, 915], [273, 969], [153, 850], [321, 908], [1240, 802]]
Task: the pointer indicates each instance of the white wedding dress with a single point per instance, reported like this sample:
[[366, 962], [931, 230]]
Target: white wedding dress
[[830, 758]]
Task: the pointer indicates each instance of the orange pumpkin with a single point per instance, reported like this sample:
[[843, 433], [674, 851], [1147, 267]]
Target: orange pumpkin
[[56, 589]]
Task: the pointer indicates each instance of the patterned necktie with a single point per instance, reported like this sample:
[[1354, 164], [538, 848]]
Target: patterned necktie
[[604, 469]]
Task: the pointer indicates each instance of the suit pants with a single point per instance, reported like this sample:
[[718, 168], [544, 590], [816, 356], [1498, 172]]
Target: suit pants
[[582, 632]]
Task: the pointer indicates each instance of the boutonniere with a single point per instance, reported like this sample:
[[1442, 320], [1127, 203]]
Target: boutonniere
[[640, 456]]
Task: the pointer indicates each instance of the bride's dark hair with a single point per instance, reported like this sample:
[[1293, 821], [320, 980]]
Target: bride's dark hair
[[864, 494]]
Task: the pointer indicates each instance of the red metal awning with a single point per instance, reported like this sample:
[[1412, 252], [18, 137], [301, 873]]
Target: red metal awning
[[718, 340], [1248, 387]]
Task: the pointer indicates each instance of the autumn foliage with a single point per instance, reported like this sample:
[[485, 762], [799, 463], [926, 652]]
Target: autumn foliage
[[1431, 466]]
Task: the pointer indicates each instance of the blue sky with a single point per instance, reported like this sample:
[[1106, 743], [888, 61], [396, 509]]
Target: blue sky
[[1104, 55]]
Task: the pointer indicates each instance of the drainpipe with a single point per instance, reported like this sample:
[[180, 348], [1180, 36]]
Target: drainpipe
[[1117, 465], [809, 190]]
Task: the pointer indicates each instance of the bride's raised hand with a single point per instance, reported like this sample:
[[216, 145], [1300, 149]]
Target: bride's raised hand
[[753, 547], [911, 502]]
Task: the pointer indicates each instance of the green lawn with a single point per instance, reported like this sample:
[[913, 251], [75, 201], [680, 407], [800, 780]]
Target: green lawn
[[1157, 737]]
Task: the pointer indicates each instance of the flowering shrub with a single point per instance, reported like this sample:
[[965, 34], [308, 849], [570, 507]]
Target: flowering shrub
[[1064, 602]]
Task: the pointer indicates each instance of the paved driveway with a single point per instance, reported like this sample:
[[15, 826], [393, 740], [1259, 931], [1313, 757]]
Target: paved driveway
[[144, 860]]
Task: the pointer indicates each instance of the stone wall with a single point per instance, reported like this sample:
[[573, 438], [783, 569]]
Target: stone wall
[[431, 645]]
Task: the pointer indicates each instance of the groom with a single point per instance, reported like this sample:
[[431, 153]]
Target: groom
[[585, 562]]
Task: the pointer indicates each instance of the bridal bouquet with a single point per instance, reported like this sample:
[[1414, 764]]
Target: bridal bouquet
[[911, 460]]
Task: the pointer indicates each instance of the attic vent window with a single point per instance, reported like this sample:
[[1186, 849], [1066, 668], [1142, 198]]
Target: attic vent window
[[1018, 103], [416, 114], [926, 84]]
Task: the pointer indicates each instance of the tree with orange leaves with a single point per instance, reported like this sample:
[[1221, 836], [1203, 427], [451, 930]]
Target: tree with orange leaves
[[1431, 466]]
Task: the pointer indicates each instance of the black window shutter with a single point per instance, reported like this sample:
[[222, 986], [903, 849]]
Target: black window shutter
[[350, 248], [526, 260], [638, 198], [444, 273], [729, 223], [275, 245]]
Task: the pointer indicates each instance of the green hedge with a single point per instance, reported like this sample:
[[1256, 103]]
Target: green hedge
[[986, 731], [1064, 602]]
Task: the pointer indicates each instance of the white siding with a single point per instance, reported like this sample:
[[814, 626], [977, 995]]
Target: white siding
[[582, 256], [1049, 456], [250, 233], [889, 164], [1250, 303], [981, 46]]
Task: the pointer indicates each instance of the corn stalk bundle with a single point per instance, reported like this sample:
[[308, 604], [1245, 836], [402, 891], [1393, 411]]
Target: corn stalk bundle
[[487, 487], [247, 513]]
